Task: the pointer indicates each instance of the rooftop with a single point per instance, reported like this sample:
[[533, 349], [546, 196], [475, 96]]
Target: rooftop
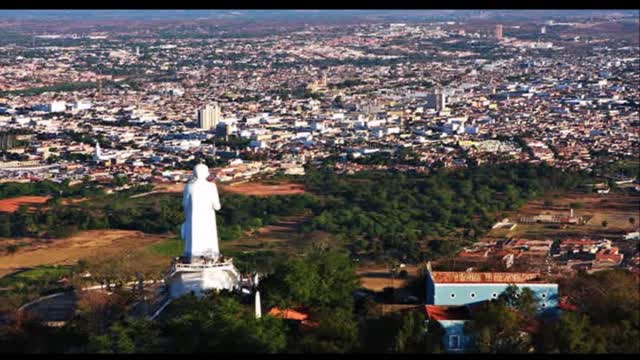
[[485, 277], [438, 312]]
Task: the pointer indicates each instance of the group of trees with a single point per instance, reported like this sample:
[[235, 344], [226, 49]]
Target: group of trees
[[156, 214], [606, 319], [323, 281], [404, 214], [45, 188], [57, 219]]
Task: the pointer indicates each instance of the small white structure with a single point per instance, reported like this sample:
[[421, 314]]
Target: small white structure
[[202, 267], [258, 305]]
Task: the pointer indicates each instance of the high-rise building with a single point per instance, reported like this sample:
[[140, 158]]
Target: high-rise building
[[209, 116], [543, 30], [436, 101], [498, 32]]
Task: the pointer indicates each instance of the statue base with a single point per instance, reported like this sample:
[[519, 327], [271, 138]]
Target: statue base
[[200, 276]]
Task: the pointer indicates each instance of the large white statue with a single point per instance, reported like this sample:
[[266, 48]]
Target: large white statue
[[200, 200]]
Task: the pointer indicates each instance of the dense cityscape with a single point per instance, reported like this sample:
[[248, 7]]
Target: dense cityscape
[[366, 165]]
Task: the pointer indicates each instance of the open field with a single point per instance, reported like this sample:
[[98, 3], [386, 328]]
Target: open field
[[615, 209], [169, 187], [86, 244], [376, 277], [282, 237], [12, 204]]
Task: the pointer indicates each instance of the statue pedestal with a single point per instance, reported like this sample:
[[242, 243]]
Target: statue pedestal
[[201, 276]]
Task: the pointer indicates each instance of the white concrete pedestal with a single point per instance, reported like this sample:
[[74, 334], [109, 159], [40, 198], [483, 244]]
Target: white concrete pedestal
[[202, 276]]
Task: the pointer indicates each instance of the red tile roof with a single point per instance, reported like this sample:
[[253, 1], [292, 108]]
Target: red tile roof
[[288, 314], [437, 312], [609, 255], [564, 304], [485, 277]]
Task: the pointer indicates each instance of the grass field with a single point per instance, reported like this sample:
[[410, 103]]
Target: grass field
[[168, 248], [36, 274]]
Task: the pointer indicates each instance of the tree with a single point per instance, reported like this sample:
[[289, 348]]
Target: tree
[[11, 249], [522, 300], [323, 278], [610, 300], [605, 223], [219, 323], [497, 329], [5, 226], [336, 332], [570, 334], [411, 337], [576, 205], [497, 326]]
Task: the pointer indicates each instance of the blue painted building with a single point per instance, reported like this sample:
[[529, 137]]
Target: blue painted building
[[450, 294]]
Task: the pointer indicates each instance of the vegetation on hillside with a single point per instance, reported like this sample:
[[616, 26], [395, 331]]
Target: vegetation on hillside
[[409, 216]]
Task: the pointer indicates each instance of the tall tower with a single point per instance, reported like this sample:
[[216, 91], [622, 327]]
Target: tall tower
[[209, 117], [498, 32]]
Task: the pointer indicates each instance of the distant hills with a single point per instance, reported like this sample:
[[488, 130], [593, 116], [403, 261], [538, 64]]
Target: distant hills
[[301, 15]]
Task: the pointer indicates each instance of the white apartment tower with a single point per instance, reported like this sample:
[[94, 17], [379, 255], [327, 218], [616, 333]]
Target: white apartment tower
[[209, 116]]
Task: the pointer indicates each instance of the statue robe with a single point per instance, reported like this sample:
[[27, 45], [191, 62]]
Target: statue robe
[[199, 231]]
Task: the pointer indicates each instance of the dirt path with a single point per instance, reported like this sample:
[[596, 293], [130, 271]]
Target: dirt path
[[86, 244]]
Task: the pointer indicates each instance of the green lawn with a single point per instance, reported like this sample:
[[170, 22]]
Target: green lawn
[[31, 276], [169, 248]]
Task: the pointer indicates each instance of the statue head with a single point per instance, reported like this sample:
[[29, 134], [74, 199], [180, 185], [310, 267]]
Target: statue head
[[201, 172]]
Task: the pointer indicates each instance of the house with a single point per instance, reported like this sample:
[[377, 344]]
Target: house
[[452, 319], [452, 296], [462, 288], [607, 257]]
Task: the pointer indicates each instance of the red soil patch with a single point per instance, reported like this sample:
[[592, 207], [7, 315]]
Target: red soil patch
[[12, 204], [259, 189]]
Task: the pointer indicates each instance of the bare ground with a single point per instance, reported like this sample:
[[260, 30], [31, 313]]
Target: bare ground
[[245, 188], [87, 244], [376, 277], [12, 204], [615, 209]]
